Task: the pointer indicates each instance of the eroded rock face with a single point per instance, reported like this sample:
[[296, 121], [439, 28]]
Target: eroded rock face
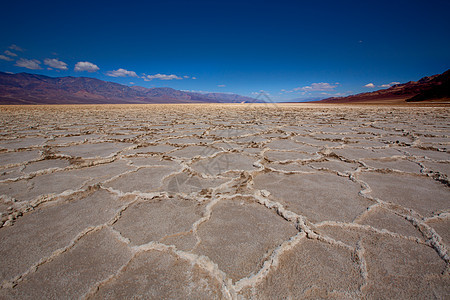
[[224, 202]]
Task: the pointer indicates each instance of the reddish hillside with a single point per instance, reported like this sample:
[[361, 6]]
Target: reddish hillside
[[428, 88]]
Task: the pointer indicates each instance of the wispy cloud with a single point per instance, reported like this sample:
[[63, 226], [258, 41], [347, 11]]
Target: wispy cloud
[[3, 57], [121, 73], [7, 52], [221, 85], [161, 77], [32, 64], [317, 87], [86, 66], [204, 92], [197, 91], [261, 92], [333, 94], [55, 63], [15, 47], [314, 87], [370, 85], [388, 85]]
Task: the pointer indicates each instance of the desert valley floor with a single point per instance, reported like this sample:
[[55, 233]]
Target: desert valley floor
[[224, 202]]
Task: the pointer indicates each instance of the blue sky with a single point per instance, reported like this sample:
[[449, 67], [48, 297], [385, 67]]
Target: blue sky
[[290, 49]]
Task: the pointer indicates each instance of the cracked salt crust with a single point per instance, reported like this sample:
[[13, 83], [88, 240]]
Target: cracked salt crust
[[224, 201]]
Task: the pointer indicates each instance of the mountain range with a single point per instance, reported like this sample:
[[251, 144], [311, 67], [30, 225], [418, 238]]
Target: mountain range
[[436, 87], [25, 88]]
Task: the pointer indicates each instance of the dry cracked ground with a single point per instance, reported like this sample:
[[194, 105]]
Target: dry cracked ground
[[224, 202]]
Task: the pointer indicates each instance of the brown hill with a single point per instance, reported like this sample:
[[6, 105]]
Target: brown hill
[[436, 87], [25, 88]]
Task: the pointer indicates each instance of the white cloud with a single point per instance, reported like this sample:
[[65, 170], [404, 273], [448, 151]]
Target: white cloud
[[388, 85], [15, 47], [370, 85], [32, 64], [333, 94], [3, 57], [121, 73], [261, 92], [314, 87], [86, 66], [221, 85], [7, 52], [194, 77], [317, 87], [185, 76], [55, 63], [197, 91], [161, 77]]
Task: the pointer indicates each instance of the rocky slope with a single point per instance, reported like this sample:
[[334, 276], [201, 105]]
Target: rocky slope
[[434, 87], [25, 88]]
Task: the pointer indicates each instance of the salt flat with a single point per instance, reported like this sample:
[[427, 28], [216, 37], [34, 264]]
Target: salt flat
[[224, 201]]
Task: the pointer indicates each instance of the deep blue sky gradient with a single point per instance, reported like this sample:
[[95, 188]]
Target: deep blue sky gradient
[[247, 46]]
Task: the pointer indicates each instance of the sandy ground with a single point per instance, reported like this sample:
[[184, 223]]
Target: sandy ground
[[224, 202]]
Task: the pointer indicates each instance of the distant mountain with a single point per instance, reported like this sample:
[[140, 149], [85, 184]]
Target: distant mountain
[[25, 88], [221, 98], [311, 99], [436, 87], [439, 91]]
